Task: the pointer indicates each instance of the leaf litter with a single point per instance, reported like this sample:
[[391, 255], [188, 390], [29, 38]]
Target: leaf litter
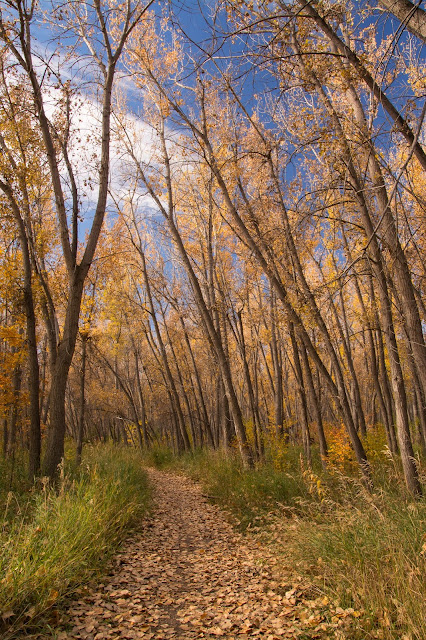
[[189, 574]]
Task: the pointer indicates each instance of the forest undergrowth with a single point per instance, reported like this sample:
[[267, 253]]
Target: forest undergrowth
[[53, 540], [362, 549]]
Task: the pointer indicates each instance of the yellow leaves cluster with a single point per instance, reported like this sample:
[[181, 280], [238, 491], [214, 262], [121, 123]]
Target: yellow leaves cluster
[[276, 448], [153, 52], [314, 484], [12, 354], [12, 335], [340, 452], [417, 78], [375, 444]]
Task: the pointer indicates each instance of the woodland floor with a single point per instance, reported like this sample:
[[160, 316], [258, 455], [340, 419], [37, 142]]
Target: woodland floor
[[188, 574]]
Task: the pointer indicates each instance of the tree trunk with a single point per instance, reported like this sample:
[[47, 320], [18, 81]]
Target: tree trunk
[[316, 409], [65, 351], [410, 14], [203, 409], [80, 426], [211, 333], [301, 393], [14, 410], [278, 378]]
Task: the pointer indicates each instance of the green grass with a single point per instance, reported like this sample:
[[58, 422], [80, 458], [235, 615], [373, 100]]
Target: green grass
[[369, 551], [59, 539], [15, 489], [364, 550]]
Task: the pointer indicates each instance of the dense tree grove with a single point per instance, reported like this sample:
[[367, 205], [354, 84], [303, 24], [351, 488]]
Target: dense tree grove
[[217, 241]]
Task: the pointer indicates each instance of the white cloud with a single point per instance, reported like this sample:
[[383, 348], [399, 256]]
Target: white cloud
[[85, 149]]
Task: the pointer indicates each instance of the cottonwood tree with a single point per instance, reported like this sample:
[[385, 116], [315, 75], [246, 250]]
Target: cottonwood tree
[[225, 141], [149, 60], [24, 185], [12, 334], [100, 31]]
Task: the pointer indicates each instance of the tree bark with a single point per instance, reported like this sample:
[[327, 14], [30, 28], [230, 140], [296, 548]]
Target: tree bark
[[81, 415], [411, 15]]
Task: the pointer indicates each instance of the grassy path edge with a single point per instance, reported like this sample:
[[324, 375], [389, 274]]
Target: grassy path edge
[[364, 551], [63, 538]]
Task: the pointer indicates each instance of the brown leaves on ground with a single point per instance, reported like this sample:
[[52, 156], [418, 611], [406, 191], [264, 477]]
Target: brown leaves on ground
[[189, 574]]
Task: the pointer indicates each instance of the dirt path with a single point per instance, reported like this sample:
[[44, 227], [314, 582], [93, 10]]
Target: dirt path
[[190, 575]]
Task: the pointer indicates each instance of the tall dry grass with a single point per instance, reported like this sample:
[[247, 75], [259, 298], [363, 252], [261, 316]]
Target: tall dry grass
[[58, 538]]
